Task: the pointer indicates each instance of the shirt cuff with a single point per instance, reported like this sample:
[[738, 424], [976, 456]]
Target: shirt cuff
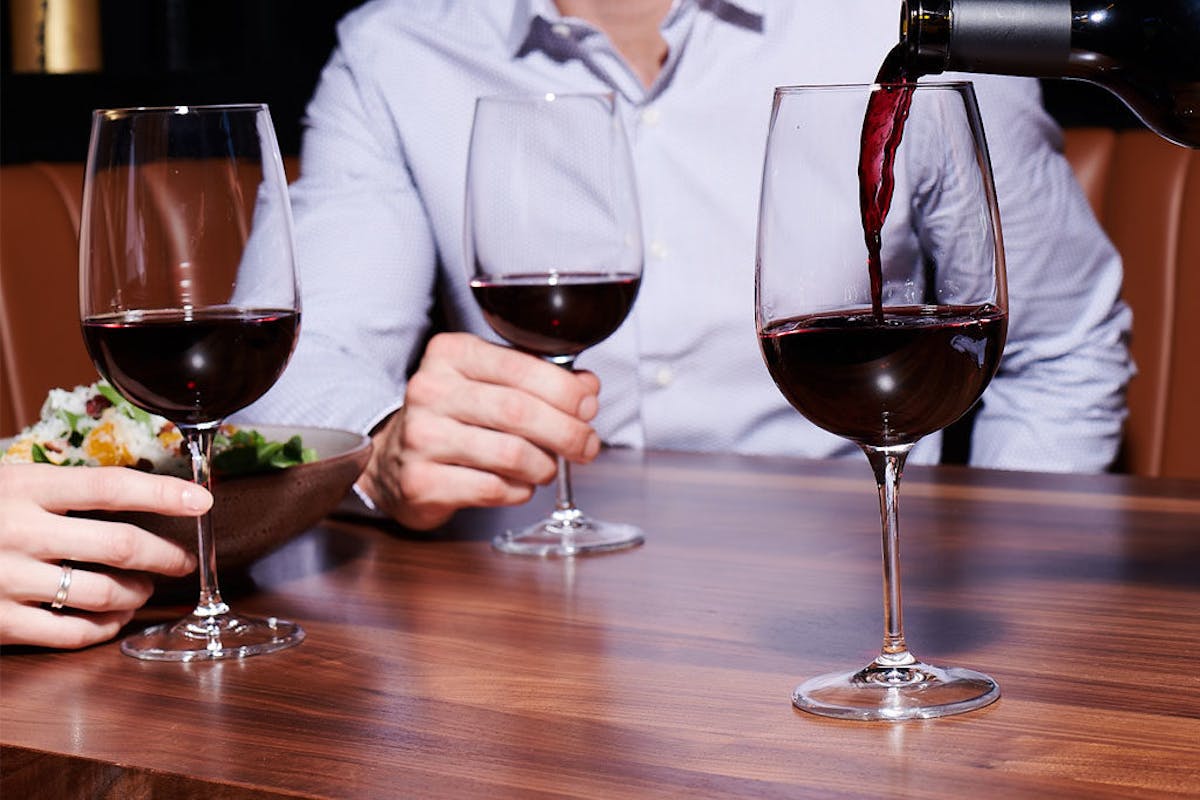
[[359, 504]]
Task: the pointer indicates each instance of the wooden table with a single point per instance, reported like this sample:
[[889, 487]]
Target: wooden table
[[436, 667]]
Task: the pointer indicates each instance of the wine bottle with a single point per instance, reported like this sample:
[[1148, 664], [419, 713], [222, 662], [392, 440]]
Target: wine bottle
[[1146, 52]]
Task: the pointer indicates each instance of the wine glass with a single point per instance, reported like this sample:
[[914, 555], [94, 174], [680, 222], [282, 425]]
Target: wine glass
[[881, 322], [190, 306], [554, 243]]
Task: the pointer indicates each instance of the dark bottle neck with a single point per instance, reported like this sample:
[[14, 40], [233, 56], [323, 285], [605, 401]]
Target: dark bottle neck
[[1013, 37]]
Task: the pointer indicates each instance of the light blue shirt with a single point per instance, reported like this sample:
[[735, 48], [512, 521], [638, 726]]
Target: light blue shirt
[[379, 216]]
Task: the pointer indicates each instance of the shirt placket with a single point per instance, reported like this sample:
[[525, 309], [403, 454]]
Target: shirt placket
[[643, 113]]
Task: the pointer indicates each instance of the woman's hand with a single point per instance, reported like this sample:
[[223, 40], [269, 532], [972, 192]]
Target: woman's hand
[[36, 537]]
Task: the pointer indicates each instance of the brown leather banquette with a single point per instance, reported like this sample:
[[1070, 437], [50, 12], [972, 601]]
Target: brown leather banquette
[[1145, 192]]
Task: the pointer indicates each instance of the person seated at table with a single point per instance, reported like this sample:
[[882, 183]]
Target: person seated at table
[[459, 420], [48, 600]]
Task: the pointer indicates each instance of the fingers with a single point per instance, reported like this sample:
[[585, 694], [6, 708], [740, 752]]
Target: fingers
[[95, 605], [474, 359], [495, 388], [104, 488], [30, 494], [53, 538], [433, 492], [489, 427], [35, 537], [32, 581], [431, 437], [421, 492], [22, 624]]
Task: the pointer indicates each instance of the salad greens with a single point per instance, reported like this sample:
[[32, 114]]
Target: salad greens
[[247, 451], [96, 425], [117, 399], [38, 455]]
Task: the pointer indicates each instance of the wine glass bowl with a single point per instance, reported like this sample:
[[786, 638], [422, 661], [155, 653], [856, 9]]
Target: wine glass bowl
[[881, 309], [189, 305], [554, 245], [555, 315]]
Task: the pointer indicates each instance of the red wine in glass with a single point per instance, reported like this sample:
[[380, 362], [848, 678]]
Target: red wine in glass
[[556, 315], [192, 368], [888, 383]]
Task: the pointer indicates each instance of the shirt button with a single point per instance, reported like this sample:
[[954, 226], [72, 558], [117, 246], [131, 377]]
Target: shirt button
[[561, 30], [658, 250], [664, 377], [650, 116]]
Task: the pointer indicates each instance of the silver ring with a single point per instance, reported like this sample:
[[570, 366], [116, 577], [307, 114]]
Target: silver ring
[[64, 586]]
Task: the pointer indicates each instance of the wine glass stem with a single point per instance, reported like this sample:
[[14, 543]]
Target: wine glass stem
[[565, 499], [888, 465], [565, 515], [199, 444]]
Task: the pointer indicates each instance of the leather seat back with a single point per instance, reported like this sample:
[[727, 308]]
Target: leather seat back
[[1146, 194], [40, 340]]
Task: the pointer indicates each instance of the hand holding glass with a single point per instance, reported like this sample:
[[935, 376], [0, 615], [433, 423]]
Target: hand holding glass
[[554, 243]]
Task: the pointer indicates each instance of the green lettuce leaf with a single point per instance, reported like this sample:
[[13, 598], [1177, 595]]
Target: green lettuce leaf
[[247, 451]]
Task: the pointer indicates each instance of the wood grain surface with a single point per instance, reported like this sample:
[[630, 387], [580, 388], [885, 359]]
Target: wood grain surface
[[437, 667]]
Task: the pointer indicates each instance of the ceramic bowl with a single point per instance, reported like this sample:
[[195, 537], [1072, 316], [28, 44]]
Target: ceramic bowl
[[254, 514]]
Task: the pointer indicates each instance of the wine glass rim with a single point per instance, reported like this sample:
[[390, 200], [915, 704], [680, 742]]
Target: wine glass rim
[[125, 111], [956, 85]]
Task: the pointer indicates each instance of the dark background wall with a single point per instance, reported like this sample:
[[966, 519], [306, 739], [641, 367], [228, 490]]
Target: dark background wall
[[171, 52]]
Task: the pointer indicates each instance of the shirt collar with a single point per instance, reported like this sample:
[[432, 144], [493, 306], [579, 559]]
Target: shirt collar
[[526, 13]]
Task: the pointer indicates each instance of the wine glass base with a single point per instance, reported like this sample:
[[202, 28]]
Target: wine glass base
[[225, 636], [583, 536], [913, 691]]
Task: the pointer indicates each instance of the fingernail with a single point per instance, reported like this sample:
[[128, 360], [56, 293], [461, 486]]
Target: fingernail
[[588, 407], [194, 499], [592, 447]]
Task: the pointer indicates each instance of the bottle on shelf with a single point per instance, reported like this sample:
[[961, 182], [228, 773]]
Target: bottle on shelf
[[1146, 52]]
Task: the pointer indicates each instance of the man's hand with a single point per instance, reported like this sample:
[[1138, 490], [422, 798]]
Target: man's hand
[[480, 426]]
